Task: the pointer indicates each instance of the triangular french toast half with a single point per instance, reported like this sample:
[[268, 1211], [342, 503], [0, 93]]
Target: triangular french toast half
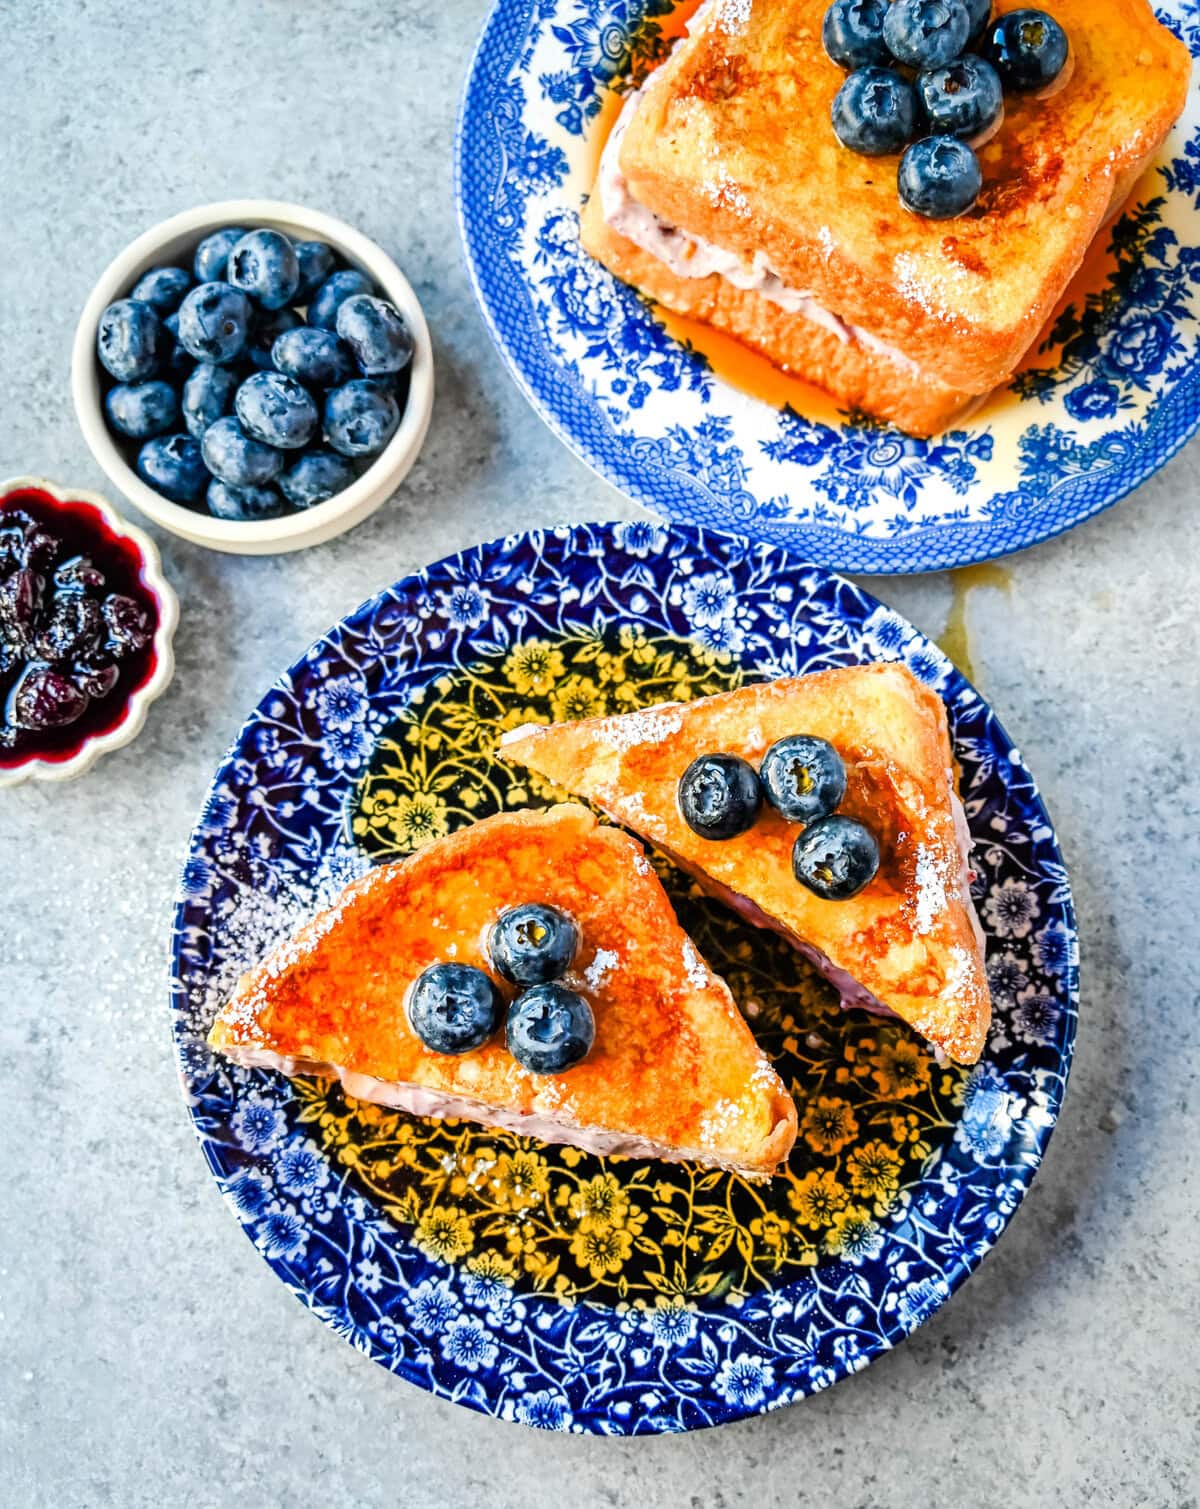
[[909, 943], [674, 1072]]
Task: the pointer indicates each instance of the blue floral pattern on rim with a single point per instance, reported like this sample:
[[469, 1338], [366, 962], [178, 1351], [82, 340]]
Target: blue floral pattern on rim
[[271, 846], [1120, 396]]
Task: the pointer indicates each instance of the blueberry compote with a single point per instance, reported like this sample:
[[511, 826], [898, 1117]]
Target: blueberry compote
[[76, 626]]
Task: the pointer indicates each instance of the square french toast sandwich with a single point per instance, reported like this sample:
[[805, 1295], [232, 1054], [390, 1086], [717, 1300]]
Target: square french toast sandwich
[[725, 195]]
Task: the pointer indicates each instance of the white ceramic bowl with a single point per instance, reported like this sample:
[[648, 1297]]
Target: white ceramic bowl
[[173, 242], [167, 604]]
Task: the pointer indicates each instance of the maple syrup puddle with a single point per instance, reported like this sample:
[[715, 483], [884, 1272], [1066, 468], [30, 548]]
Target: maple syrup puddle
[[955, 636]]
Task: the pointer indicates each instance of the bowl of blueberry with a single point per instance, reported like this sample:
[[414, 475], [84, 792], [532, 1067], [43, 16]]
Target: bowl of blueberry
[[86, 628], [254, 376]]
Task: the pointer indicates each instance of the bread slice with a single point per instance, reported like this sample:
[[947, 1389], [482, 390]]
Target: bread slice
[[909, 943], [731, 142], [674, 1072], [857, 375]]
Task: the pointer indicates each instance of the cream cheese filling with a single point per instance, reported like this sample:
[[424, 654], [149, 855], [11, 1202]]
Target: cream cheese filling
[[418, 1100], [689, 256]]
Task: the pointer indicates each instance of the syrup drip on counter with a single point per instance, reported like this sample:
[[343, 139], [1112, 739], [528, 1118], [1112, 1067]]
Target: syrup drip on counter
[[955, 637]]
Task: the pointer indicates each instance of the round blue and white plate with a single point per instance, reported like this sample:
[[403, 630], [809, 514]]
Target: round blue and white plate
[[542, 1284], [1090, 417]]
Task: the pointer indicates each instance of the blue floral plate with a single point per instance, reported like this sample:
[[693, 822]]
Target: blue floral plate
[[1111, 396], [542, 1284]]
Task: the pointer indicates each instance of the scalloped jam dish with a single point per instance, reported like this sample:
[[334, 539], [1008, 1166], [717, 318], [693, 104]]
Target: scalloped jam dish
[[77, 626]]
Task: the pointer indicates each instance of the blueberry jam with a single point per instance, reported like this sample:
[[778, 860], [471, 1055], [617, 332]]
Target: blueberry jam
[[76, 627]]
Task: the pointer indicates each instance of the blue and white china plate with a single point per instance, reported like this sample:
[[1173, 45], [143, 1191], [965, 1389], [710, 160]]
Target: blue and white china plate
[[1094, 416], [541, 1284]]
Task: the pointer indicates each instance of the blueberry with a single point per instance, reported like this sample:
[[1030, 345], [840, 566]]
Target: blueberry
[[269, 325], [549, 1029], [129, 625], [719, 796], [142, 409], [360, 417], [41, 547], [454, 1007], [214, 322], [179, 360], [875, 112], [276, 410], [21, 604], [11, 656], [853, 33], [316, 357], [1028, 49], [244, 503], [835, 857], [12, 547], [803, 777], [962, 99], [317, 475], [317, 262], [533, 943], [212, 255], [926, 33], [333, 293], [264, 265], [939, 177], [72, 629], [233, 457], [95, 677], [163, 288], [129, 339], [979, 13], [78, 575], [43, 698], [375, 332], [173, 466], [207, 395]]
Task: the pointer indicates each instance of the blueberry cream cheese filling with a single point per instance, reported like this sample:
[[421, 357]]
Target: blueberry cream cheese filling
[[689, 256]]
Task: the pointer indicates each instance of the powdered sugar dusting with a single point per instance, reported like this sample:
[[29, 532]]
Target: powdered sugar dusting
[[600, 968], [723, 194], [651, 725], [256, 925], [931, 881], [632, 803], [958, 974], [694, 966], [764, 1076], [717, 1124], [732, 15]]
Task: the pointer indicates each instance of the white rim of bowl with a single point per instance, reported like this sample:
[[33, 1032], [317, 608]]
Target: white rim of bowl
[[152, 578], [308, 526]]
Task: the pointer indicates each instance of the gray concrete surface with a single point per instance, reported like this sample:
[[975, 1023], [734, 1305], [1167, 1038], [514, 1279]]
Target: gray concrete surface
[[147, 1355]]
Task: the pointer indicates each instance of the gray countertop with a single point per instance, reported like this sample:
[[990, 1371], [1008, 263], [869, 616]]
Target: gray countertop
[[147, 1354]]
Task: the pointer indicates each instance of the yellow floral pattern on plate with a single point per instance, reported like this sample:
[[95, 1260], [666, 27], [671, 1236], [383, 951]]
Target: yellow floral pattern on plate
[[874, 1107]]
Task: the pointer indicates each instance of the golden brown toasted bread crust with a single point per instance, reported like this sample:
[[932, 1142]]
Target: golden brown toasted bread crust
[[908, 937], [857, 377], [732, 142], [673, 1063]]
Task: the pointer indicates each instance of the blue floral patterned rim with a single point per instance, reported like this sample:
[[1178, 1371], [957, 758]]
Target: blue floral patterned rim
[[272, 845], [1115, 398]]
